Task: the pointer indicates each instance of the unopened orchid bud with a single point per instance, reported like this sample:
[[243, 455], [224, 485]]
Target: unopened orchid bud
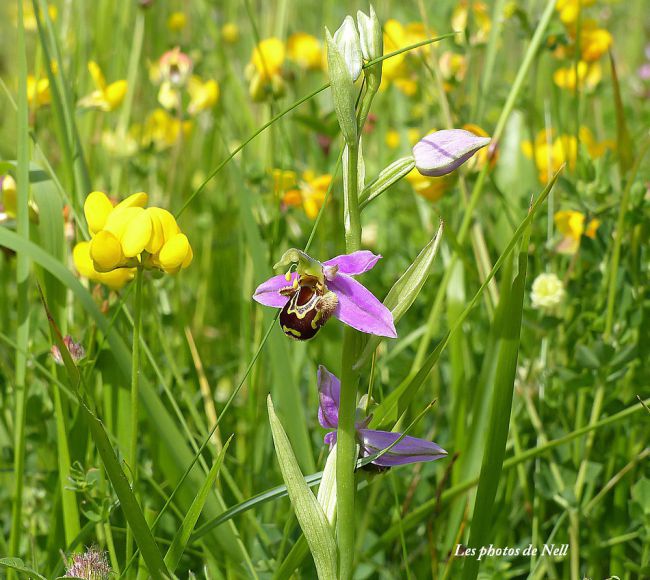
[[444, 151], [343, 93], [372, 44], [349, 45]]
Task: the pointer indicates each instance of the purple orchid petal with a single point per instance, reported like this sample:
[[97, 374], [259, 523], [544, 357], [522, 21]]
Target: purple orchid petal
[[443, 151], [360, 309], [330, 438], [355, 263], [408, 450], [268, 293], [329, 395]]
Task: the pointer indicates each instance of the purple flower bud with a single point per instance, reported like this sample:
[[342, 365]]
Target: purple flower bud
[[76, 350], [443, 151], [91, 565]]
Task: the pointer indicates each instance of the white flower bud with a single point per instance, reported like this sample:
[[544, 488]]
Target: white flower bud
[[349, 45]]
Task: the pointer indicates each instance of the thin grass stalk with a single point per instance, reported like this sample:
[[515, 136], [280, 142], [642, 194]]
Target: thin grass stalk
[[22, 284], [135, 396]]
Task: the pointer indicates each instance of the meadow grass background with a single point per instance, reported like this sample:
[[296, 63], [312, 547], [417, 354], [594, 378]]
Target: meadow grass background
[[576, 469]]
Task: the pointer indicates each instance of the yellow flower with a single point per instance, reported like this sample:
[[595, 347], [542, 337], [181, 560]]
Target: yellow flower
[[8, 199], [129, 236], [104, 97], [268, 58], [162, 130], [310, 193], [203, 95], [393, 138], [550, 153], [115, 279], [570, 9], [230, 32], [571, 224], [431, 188], [453, 66], [594, 41], [177, 21], [305, 50], [38, 91], [29, 18], [589, 75], [481, 18]]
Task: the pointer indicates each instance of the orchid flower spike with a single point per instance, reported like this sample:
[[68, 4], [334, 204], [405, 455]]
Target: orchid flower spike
[[408, 450], [315, 291], [442, 152]]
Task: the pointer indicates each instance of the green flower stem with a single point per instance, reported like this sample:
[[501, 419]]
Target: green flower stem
[[22, 285], [346, 448], [135, 396]]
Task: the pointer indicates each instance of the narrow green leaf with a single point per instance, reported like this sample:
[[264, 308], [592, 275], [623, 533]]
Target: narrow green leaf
[[404, 292], [19, 566], [501, 407], [624, 144], [182, 537], [311, 517]]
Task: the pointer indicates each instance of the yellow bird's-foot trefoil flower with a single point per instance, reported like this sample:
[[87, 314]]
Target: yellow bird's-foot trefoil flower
[[128, 236], [105, 97], [571, 224]]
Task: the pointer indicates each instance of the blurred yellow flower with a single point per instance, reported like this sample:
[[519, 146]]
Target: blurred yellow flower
[[119, 145], [162, 130], [29, 18], [570, 9], [305, 50], [588, 75], [264, 71], [453, 67], [130, 236], [38, 92], [393, 138], [571, 224], [594, 41], [8, 198], [230, 32], [482, 23], [310, 193], [431, 188], [203, 95], [395, 70], [550, 153], [268, 57], [177, 21], [104, 97], [174, 67]]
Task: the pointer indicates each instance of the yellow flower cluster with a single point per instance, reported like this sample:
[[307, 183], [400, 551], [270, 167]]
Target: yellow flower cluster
[[482, 24], [106, 97], [594, 42], [128, 236], [571, 224], [550, 152], [38, 91], [397, 70], [309, 192]]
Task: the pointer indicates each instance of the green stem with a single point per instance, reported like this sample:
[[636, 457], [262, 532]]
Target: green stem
[[22, 285], [346, 448], [620, 232], [135, 396]]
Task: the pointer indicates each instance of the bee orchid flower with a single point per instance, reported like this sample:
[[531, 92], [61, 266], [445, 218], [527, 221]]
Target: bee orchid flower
[[316, 291], [408, 450]]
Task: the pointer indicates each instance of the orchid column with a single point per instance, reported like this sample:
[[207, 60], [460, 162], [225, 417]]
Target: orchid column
[[345, 54]]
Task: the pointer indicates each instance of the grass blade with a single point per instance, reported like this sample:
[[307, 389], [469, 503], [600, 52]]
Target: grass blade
[[314, 524], [182, 537]]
